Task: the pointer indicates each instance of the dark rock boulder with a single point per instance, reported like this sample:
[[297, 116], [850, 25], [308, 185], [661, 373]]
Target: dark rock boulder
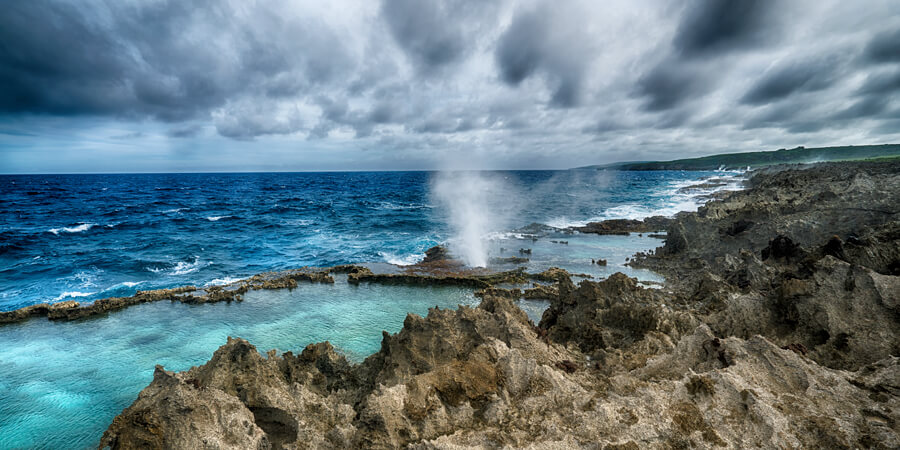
[[436, 253]]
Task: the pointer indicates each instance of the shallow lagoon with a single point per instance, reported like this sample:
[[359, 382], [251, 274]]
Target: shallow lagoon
[[61, 383]]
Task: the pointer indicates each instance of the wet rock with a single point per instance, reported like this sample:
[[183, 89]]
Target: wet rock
[[509, 260], [694, 188], [626, 226], [436, 253], [541, 292], [72, 310], [475, 279], [24, 313]]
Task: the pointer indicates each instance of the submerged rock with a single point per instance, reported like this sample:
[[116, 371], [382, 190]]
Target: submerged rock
[[509, 260]]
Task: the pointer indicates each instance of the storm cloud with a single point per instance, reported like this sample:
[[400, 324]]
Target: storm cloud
[[545, 41], [711, 26], [671, 83], [884, 47], [793, 77], [353, 84]]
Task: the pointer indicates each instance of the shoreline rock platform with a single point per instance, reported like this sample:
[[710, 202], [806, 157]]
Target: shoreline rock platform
[[778, 327]]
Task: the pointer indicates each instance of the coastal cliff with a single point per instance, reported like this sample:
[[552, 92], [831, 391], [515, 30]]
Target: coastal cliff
[[778, 326]]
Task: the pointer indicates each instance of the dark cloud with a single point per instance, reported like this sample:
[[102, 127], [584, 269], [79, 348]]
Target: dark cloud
[[53, 60], [435, 33], [520, 50], [793, 77], [254, 122], [884, 47], [866, 107], [144, 62], [713, 26], [884, 82], [707, 28], [779, 115], [539, 41], [670, 84], [461, 75]]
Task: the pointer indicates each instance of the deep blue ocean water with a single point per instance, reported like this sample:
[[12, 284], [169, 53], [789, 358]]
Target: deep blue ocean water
[[85, 237]]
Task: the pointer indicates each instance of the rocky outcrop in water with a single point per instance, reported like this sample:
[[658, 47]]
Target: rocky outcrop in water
[[72, 310], [626, 226], [777, 329]]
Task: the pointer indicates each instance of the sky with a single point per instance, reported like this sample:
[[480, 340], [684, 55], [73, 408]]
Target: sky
[[278, 85]]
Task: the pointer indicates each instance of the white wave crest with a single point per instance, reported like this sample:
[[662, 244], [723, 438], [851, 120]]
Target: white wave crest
[[222, 281], [181, 267], [123, 284], [217, 218], [184, 268], [72, 294], [407, 260], [668, 201], [565, 222], [76, 229]]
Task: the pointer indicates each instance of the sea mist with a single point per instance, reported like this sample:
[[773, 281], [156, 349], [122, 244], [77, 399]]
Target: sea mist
[[474, 204]]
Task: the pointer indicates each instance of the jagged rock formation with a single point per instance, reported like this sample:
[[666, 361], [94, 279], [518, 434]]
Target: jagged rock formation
[[771, 333], [487, 377], [806, 257]]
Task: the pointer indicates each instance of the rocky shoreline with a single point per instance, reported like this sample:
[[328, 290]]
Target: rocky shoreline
[[430, 272], [779, 326]]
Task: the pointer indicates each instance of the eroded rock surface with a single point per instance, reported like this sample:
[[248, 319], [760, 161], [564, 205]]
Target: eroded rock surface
[[778, 328], [805, 257]]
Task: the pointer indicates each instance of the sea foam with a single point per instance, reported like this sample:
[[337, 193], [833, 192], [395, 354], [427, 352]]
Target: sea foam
[[75, 229], [406, 260], [73, 294]]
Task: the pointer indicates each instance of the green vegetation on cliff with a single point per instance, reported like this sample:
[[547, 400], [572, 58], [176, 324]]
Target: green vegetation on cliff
[[797, 155]]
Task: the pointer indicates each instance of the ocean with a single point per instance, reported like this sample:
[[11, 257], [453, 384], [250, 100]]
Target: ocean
[[85, 237]]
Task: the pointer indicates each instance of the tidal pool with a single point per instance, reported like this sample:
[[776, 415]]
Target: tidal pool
[[62, 383]]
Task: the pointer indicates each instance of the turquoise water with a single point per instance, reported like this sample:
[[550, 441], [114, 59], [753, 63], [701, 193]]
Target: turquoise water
[[62, 383]]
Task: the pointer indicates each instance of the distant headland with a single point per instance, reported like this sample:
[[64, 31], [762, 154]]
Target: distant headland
[[798, 155]]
